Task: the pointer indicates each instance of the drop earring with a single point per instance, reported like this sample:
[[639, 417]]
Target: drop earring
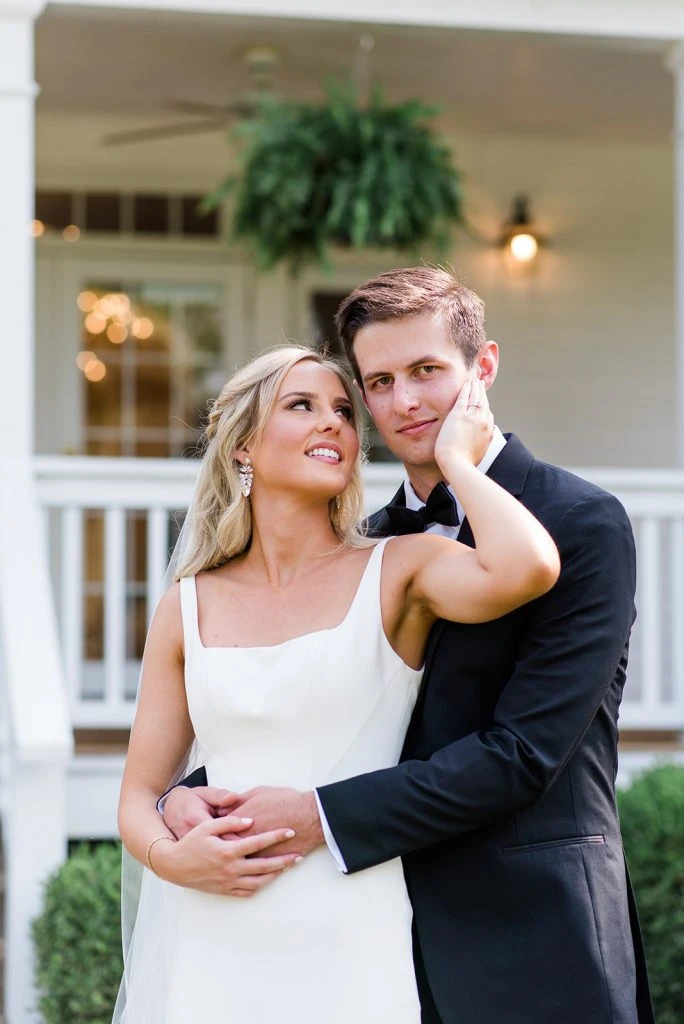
[[246, 474]]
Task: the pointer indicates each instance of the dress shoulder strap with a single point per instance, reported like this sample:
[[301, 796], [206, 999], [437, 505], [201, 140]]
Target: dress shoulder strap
[[189, 614], [366, 602]]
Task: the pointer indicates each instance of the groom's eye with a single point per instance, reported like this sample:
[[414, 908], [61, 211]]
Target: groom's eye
[[427, 369]]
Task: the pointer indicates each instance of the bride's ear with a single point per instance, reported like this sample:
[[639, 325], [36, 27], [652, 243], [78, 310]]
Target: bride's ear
[[241, 455]]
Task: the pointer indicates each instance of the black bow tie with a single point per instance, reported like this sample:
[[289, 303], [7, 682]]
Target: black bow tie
[[440, 508]]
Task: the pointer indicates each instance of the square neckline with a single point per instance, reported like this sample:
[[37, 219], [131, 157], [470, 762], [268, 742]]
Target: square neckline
[[292, 639]]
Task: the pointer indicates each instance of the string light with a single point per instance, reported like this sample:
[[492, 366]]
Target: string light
[[95, 370], [116, 333], [85, 357], [95, 323], [142, 328], [86, 301]]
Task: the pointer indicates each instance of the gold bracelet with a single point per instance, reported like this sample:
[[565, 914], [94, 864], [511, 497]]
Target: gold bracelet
[[156, 839]]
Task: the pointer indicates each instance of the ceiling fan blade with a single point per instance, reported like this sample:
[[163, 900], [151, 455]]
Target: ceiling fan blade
[[191, 107], [167, 132]]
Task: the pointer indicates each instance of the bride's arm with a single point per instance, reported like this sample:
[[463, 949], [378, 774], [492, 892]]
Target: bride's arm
[[160, 737], [515, 559]]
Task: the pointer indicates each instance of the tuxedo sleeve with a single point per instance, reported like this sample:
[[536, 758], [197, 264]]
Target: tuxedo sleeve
[[196, 778], [572, 651]]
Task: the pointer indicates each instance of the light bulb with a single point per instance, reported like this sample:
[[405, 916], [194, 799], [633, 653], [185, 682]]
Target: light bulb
[[523, 247]]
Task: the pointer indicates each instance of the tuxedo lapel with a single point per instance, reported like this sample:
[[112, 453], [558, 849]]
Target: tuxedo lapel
[[509, 470]]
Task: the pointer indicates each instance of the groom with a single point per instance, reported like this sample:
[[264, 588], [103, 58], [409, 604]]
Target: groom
[[503, 805]]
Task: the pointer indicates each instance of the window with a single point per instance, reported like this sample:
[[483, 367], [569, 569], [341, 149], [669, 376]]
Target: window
[[150, 358]]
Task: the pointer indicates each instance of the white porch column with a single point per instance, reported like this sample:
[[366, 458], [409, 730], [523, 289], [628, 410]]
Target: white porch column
[[17, 93], [675, 63], [36, 728]]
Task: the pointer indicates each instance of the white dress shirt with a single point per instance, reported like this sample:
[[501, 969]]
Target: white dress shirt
[[496, 446]]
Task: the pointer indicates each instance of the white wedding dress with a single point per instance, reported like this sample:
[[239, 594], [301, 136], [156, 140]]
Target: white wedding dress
[[317, 946]]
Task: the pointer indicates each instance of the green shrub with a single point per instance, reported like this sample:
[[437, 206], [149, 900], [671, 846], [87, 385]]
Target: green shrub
[[652, 817], [77, 938]]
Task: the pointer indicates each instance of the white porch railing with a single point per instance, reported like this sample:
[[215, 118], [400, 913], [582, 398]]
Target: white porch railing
[[121, 511]]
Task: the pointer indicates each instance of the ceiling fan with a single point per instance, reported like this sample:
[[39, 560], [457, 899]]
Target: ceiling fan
[[261, 63]]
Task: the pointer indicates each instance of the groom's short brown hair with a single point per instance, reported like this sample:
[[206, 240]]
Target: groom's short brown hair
[[402, 293]]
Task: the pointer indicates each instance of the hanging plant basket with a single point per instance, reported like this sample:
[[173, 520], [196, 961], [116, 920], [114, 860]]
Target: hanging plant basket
[[315, 176]]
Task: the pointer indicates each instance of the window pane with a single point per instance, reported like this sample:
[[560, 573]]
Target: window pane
[[150, 356], [95, 447], [195, 223], [152, 449], [54, 208], [103, 212], [153, 395], [203, 327], [323, 307], [103, 398], [151, 214]]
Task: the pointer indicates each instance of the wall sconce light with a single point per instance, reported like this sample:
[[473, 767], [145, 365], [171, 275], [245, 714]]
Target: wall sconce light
[[520, 239]]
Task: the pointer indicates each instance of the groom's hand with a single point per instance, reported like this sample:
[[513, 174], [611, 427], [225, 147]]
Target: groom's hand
[[185, 808], [272, 808]]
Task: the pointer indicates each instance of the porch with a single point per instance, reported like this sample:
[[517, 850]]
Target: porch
[[593, 337]]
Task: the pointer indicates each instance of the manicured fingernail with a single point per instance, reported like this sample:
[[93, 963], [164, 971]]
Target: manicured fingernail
[[246, 821], [290, 834], [298, 860]]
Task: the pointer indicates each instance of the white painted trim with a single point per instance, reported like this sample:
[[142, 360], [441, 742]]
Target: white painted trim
[[661, 19]]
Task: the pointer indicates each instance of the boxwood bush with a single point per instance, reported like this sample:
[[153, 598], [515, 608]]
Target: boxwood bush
[[652, 817], [77, 938]]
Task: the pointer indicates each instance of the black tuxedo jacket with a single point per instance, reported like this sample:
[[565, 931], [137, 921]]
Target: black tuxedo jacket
[[503, 807]]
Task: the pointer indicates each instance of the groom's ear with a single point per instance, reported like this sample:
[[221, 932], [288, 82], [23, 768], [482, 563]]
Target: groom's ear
[[487, 364]]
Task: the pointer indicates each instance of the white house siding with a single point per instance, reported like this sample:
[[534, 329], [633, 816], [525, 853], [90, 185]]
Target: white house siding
[[587, 338]]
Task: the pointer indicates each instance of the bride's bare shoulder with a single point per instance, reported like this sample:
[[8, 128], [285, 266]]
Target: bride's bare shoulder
[[407, 554]]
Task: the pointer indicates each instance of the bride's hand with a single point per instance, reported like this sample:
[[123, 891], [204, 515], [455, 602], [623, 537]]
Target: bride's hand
[[467, 430], [203, 860]]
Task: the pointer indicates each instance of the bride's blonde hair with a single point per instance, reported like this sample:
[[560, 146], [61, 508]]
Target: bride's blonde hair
[[220, 519]]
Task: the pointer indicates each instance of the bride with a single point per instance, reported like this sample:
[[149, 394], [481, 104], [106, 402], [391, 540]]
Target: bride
[[290, 651]]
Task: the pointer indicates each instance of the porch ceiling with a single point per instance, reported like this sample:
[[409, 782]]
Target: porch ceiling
[[125, 64]]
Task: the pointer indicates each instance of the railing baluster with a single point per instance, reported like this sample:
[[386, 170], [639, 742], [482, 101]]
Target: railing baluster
[[677, 618], [648, 603], [72, 598], [157, 533], [115, 607]]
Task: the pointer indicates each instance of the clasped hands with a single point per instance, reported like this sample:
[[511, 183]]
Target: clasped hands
[[269, 830]]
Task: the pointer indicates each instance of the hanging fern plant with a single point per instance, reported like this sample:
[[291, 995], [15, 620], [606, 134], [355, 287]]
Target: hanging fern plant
[[337, 174]]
